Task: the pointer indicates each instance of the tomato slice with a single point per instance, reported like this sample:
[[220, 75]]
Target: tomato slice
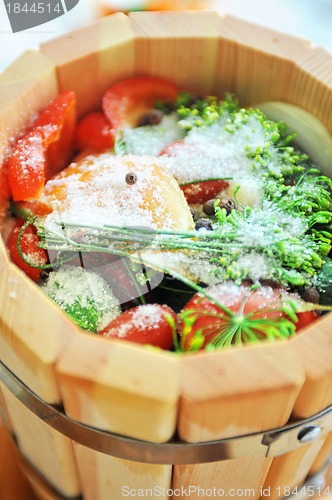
[[29, 246], [198, 192], [201, 192], [207, 319], [305, 319], [58, 122], [26, 167], [94, 131], [145, 324], [126, 101]]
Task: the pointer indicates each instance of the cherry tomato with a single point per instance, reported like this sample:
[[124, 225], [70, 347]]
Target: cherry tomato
[[145, 324], [305, 318], [29, 246], [205, 319], [198, 192], [94, 131], [125, 102]]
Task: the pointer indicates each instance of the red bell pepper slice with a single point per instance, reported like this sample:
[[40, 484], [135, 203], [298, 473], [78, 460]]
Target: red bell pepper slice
[[26, 167], [58, 123], [44, 150]]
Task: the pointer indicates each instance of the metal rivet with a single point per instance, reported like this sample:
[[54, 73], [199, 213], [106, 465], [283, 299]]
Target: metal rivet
[[309, 434]]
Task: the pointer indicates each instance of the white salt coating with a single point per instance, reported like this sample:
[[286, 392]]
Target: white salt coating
[[31, 156], [143, 318], [72, 284], [106, 198], [255, 266], [229, 292], [34, 258], [151, 139], [213, 152], [250, 193], [269, 225]]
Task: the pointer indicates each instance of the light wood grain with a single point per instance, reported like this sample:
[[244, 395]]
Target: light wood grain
[[120, 387], [33, 333], [311, 85], [238, 391], [105, 477], [324, 454], [13, 484], [181, 46], [4, 415], [49, 451], [314, 347], [26, 86], [40, 487], [254, 62], [290, 470], [243, 477], [88, 60]]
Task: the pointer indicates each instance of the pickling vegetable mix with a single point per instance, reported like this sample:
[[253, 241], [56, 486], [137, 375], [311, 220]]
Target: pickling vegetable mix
[[172, 220]]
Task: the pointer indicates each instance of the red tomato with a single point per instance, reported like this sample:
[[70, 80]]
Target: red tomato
[[126, 101], [4, 184], [305, 318], [26, 167], [203, 191], [202, 316], [29, 246], [44, 150], [145, 324], [198, 192], [94, 131], [58, 122]]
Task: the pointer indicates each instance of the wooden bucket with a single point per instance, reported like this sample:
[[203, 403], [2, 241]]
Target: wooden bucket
[[104, 420]]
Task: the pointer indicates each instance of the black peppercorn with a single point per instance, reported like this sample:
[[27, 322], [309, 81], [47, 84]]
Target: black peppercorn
[[204, 224], [228, 204], [152, 117], [131, 178], [311, 294], [208, 207]]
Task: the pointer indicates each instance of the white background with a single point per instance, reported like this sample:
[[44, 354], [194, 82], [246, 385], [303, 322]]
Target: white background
[[310, 19]]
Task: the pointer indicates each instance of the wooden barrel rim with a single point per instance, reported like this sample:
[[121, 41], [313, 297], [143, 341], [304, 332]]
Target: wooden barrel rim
[[273, 443]]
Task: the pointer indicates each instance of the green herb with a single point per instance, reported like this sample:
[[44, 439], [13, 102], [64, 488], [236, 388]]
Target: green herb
[[229, 328], [120, 145], [84, 296]]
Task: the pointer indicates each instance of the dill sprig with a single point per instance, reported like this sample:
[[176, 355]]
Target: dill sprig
[[229, 328], [265, 231]]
